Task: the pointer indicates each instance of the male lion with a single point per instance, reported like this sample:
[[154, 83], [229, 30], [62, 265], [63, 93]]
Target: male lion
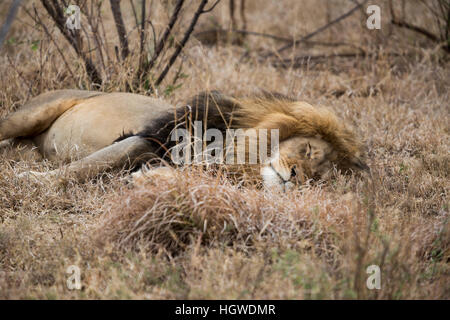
[[94, 132]]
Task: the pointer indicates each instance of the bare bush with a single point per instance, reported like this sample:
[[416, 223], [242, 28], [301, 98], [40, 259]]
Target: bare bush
[[100, 68]]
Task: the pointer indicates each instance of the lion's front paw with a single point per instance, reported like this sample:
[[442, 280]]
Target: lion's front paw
[[148, 174]]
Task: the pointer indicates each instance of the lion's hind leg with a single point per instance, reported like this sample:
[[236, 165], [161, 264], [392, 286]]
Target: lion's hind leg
[[38, 114]]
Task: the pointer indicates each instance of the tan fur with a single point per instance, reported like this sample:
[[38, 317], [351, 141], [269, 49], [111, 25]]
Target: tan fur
[[78, 125], [296, 118], [67, 125]]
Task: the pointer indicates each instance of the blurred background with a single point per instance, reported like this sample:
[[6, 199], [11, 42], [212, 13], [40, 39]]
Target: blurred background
[[128, 45]]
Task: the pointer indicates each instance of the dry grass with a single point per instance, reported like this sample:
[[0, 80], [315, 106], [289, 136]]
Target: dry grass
[[201, 236]]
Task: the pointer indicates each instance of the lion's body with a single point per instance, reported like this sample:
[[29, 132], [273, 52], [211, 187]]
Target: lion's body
[[112, 130], [73, 124], [97, 122]]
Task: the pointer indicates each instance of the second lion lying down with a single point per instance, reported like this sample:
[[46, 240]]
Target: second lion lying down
[[94, 132]]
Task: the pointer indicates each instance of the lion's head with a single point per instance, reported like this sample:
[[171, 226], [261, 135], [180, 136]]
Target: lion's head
[[312, 140]]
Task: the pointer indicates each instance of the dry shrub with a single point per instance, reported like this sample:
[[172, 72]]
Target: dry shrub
[[171, 214], [333, 231]]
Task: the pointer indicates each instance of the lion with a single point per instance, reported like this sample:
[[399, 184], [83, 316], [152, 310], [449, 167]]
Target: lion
[[92, 132]]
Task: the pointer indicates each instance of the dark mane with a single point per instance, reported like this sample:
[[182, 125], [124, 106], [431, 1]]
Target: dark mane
[[213, 108]]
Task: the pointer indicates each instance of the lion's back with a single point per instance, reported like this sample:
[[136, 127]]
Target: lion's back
[[96, 122]]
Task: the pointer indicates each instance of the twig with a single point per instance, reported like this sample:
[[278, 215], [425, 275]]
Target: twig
[[299, 61], [232, 17], [319, 30], [136, 27], [134, 13], [9, 20], [403, 24], [429, 35], [95, 31], [252, 33], [418, 29], [141, 43], [243, 17], [39, 21], [180, 45], [178, 74], [56, 13], [447, 18], [120, 26], [30, 86], [153, 33], [104, 45], [212, 7], [142, 35], [278, 38], [162, 42]]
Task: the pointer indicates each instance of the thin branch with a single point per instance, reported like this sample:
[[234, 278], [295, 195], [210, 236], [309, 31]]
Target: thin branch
[[94, 24], [178, 74], [180, 45], [212, 7], [120, 26], [103, 38], [141, 41], [38, 21], [243, 17], [55, 11], [438, 39], [418, 29], [300, 61], [319, 30], [232, 17], [29, 84], [278, 38], [143, 73], [252, 33], [167, 33], [9, 20], [153, 33], [142, 35], [134, 13], [447, 26]]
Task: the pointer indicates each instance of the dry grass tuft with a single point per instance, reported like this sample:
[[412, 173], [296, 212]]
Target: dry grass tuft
[[199, 207], [340, 232]]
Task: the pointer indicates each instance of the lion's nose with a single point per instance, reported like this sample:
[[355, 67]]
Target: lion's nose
[[293, 172], [297, 175]]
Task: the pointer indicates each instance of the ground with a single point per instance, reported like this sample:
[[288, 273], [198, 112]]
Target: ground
[[202, 237]]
